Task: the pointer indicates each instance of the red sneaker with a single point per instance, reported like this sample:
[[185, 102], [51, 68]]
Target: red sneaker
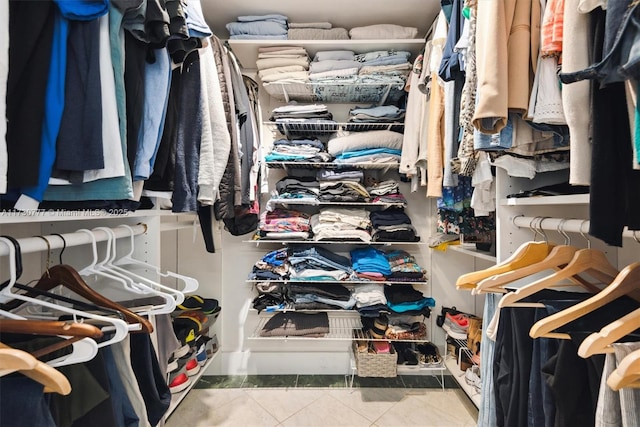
[[179, 383]]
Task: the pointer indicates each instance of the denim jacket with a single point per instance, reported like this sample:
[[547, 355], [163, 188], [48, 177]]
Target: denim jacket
[[621, 53]]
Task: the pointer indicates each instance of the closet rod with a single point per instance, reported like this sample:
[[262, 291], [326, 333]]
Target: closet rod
[[36, 244], [569, 225]]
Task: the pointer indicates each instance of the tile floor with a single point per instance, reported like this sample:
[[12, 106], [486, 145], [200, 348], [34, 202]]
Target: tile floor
[[323, 400]]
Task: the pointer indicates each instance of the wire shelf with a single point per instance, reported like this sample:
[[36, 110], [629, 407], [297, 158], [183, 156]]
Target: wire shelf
[[340, 328], [341, 282], [330, 242], [314, 202], [324, 128], [354, 92], [331, 165]]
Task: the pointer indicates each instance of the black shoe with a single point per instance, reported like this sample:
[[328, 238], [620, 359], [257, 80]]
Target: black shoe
[[453, 311]]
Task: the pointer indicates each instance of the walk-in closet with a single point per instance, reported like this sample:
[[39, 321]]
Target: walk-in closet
[[302, 213]]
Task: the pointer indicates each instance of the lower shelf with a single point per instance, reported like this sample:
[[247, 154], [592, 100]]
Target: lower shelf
[[458, 375], [340, 328], [176, 398]]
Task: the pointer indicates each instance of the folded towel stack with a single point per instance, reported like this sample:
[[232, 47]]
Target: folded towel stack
[[262, 27], [379, 146], [341, 224], [283, 64], [334, 65]]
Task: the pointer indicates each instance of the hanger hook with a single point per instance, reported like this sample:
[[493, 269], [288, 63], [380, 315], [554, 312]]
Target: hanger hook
[[48, 253], [109, 243], [64, 246], [94, 245], [131, 238], [18, 256], [532, 228], [12, 261], [544, 235], [583, 235], [560, 229]]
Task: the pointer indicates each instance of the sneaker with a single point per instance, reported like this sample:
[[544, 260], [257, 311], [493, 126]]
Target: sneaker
[[429, 355], [192, 367], [173, 365], [472, 377], [212, 346], [181, 351], [179, 383], [456, 327], [201, 354], [443, 312], [196, 302]]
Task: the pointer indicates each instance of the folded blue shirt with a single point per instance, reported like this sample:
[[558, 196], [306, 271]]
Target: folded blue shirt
[[368, 152], [263, 28]]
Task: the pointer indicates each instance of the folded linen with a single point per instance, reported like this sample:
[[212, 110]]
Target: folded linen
[[263, 28], [323, 25], [283, 51], [365, 140], [355, 217], [347, 74], [383, 31], [291, 76], [318, 34], [333, 65], [278, 70], [265, 63], [275, 17], [401, 69], [265, 49], [257, 37], [327, 55]]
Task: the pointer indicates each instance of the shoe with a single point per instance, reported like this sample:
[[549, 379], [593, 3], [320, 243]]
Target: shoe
[[201, 354], [443, 312], [173, 365], [379, 328], [474, 334], [181, 351], [472, 377], [196, 302], [456, 327], [192, 367], [429, 355], [179, 383], [212, 346]]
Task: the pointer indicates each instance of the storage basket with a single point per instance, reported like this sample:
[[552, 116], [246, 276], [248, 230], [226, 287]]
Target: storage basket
[[383, 365]]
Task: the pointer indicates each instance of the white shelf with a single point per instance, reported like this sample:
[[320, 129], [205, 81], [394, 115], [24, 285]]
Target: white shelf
[[337, 93], [419, 369], [472, 252], [176, 398], [458, 375], [331, 242], [331, 165], [323, 128], [247, 50], [570, 199], [342, 282], [58, 215], [311, 202], [341, 326]]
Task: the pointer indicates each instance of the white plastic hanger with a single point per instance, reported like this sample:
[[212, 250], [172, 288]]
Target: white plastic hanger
[[190, 284], [136, 281], [83, 350], [97, 269]]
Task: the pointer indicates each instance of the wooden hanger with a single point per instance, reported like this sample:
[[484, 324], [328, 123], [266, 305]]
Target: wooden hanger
[[46, 327], [68, 277], [14, 360], [600, 342], [627, 374], [625, 283]]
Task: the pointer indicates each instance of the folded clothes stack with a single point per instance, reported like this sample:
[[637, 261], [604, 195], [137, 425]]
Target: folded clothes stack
[[283, 64], [295, 116], [392, 225], [386, 192], [291, 323], [272, 266], [334, 66], [384, 66], [317, 263], [284, 224], [343, 191], [302, 190], [262, 27], [380, 114], [369, 295], [327, 296], [341, 224], [316, 31], [340, 175], [298, 150], [407, 300], [370, 264], [404, 267], [271, 296], [383, 31], [378, 146]]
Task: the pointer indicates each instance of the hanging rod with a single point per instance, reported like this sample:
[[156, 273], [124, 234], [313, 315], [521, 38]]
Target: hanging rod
[[569, 225], [78, 238]]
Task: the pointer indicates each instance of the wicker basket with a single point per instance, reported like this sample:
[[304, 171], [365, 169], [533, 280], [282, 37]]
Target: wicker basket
[[381, 365]]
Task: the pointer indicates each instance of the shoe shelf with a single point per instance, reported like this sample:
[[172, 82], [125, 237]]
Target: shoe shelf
[[332, 165], [458, 375], [313, 202], [473, 252], [293, 128], [176, 398], [341, 282], [341, 326]]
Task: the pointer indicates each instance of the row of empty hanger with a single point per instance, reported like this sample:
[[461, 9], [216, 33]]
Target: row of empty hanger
[[570, 263], [85, 306]]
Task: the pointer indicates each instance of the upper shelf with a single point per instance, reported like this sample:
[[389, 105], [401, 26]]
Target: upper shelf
[[570, 199], [55, 215], [336, 93], [247, 50], [324, 128], [330, 242]]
